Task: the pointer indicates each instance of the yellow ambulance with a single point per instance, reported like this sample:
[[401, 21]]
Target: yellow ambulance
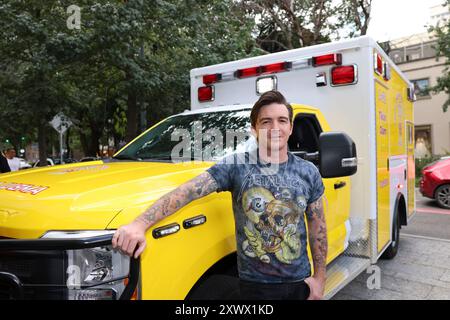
[[353, 118]]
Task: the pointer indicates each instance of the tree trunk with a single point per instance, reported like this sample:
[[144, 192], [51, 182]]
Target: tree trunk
[[84, 143], [96, 134], [132, 116], [42, 140], [68, 144]]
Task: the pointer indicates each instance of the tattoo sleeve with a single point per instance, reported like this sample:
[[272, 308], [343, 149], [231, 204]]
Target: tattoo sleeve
[[318, 241], [198, 187]]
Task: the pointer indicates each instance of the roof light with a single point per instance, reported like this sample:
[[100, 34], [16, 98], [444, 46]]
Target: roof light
[[248, 72], [301, 64], [276, 67], [211, 78], [227, 76], [344, 75], [206, 93], [265, 84], [378, 64], [334, 58]]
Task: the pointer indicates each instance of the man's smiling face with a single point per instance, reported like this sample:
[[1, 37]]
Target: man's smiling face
[[273, 126]]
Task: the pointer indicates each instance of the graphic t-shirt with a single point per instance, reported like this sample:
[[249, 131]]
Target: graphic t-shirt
[[269, 202]]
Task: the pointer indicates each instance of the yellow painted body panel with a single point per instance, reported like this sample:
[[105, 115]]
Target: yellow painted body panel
[[97, 196], [394, 137], [382, 132]]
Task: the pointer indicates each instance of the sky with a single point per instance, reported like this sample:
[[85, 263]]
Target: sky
[[391, 19]]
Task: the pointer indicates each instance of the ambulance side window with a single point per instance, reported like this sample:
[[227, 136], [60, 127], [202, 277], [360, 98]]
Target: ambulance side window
[[305, 134]]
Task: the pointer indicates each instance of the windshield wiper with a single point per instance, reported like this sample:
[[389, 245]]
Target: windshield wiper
[[162, 158], [125, 157]]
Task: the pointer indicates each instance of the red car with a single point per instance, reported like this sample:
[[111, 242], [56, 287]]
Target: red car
[[435, 182]]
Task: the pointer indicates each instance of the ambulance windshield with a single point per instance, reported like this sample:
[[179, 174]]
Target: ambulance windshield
[[206, 136]]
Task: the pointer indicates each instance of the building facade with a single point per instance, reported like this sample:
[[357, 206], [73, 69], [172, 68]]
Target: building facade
[[416, 57]]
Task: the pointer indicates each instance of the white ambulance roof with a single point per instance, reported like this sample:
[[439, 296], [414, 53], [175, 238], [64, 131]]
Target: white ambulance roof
[[364, 41], [219, 109]]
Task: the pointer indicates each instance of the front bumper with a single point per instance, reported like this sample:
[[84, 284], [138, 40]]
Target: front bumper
[[36, 269]]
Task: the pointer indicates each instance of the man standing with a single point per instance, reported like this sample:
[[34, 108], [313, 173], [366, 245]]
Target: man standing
[[13, 162], [4, 167], [271, 197]]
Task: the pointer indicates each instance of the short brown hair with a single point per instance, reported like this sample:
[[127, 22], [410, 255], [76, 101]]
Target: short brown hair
[[267, 98]]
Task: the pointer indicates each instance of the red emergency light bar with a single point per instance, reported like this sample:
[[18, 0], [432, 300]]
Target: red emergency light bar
[[327, 59], [266, 69], [344, 75], [378, 64], [212, 78], [206, 93], [276, 67], [248, 72]]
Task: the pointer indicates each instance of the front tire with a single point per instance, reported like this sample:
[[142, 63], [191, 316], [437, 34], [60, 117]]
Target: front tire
[[217, 287], [392, 250], [442, 196]]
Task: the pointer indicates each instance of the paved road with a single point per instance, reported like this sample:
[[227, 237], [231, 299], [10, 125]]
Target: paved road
[[430, 220], [421, 269]]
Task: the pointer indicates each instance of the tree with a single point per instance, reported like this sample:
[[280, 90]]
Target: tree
[[443, 49], [288, 24], [358, 12], [127, 57], [31, 32]]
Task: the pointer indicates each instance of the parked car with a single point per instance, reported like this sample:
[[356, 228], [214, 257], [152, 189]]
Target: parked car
[[24, 164], [69, 160], [50, 162], [86, 159], [435, 182]]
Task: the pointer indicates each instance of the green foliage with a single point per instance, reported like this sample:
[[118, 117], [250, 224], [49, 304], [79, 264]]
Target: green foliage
[[443, 49], [131, 56], [289, 24], [138, 48]]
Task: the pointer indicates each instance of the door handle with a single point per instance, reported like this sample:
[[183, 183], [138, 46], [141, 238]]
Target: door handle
[[339, 184]]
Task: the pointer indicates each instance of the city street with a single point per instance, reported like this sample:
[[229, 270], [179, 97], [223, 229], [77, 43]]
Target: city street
[[421, 269]]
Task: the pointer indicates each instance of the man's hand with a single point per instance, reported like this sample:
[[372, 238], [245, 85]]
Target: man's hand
[[129, 237], [317, 287]]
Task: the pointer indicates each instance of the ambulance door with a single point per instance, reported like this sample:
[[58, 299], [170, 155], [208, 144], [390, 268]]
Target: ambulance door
[[305, 139], [382, 142]]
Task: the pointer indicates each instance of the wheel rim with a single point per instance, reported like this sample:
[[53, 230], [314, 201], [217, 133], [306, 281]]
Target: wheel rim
[[444, 196]]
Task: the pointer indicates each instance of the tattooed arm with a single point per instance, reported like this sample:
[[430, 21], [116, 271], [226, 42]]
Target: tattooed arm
[[129, 236], [317, 231]]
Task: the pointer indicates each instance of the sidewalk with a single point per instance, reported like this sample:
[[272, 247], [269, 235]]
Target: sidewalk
[[421, 270]]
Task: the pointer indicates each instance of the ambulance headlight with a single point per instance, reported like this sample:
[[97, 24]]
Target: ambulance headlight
[[97, 273]]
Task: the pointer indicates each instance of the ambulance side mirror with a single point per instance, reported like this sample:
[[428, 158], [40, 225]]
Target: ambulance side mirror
[[337, 155]]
